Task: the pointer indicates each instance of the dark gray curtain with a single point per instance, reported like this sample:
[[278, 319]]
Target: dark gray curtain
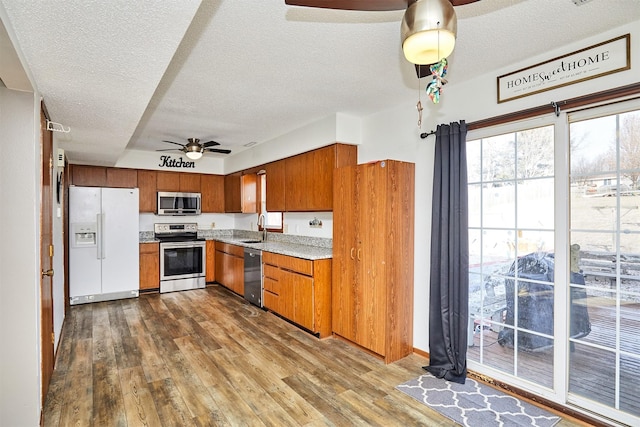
[[449, 291]]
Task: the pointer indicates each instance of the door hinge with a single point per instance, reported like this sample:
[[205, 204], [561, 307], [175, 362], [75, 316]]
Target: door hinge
[[53, 338], [51, 251]]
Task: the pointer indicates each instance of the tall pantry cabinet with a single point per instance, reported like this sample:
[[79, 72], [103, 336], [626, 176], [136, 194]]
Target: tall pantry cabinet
[[373, 242]]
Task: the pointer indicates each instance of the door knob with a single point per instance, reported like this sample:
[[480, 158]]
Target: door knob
[[47, 273]]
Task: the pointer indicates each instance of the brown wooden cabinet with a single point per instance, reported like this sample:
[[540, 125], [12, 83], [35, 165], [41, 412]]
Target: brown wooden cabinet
[[240, 193], [149, 266], [210, 275], [373, 227], [275, 172], [148, 190], [88, 176], [309, 177], [167, 181], [189, 182], [121, 178], [299, 290], [229, 266], [212, 188]]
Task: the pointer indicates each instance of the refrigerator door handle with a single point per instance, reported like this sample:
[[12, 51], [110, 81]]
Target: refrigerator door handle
[[103, 249], [99, 236]]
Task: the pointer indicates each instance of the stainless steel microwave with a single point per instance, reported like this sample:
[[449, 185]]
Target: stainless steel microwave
[[178, 204]]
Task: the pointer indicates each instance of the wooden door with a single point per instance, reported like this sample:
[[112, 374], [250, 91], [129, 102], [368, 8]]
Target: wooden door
[[121, 178], [89, 176], [149, 266], [344, 252], [189, 182], [232, 193], [372, 239], [46, 259], [168, 181], [275, 186], [319, 179], [212, 188], [148, 190], [249, 191], [211, 261]]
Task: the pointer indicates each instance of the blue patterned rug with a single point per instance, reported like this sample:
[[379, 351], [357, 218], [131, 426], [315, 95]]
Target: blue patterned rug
[[474, 404]]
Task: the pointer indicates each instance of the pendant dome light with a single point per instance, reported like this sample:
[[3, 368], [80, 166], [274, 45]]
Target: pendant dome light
[[429, 30]]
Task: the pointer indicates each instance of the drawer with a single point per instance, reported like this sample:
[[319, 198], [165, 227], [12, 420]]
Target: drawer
[[271, 272], [230, 249], [271, 285], [150, 248], [299, 265]]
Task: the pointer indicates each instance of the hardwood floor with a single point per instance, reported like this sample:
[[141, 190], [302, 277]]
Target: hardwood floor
[[206, 357]]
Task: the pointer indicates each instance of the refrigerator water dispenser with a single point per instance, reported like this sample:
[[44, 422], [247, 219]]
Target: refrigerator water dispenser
[[84, 234]]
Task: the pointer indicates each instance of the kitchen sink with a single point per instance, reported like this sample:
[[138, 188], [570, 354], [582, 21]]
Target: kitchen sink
[[251, 241]]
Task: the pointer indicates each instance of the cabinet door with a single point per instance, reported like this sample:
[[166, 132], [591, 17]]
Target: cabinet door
[[89, 176], [149, 266], [319, 179], [232, 193], [211, 263], [229, 271], [249, 191], [212, 188], [189, 182], [148, 190], [371, 279], [168, 181], [122, 178], [344, 252], [302, 300], [295, 181], [275, 186]]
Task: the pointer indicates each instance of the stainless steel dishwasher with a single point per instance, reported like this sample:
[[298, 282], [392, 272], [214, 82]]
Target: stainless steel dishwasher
[[253, 276]]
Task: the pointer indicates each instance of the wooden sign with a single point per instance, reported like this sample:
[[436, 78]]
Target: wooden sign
[[594, 61]]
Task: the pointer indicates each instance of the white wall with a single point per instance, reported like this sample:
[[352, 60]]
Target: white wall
[[58, 253], [137, 159], [19, 259]]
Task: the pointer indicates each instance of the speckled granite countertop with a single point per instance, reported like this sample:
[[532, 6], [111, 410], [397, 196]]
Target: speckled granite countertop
[[285, 244]]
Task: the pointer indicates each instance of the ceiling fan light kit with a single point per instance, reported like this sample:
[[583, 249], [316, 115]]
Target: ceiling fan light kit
[[429, 30]]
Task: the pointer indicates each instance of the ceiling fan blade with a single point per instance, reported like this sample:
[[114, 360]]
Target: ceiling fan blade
[[210, 144], [376, 5], [171, 142], [462, 2], [171, 149], [217, 150]]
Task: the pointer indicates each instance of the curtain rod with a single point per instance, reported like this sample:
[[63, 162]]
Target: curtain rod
[[553, 107]]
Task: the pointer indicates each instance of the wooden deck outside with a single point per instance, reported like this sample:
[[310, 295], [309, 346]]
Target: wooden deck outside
[[592, 370]]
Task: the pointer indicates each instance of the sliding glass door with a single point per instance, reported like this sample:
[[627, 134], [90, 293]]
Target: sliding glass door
[[554, 277]]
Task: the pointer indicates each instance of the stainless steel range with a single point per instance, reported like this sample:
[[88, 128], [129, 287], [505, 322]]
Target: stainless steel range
[[182, 257]]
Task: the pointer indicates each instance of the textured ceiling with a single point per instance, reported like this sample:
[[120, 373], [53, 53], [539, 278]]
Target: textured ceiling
[[129, 74]]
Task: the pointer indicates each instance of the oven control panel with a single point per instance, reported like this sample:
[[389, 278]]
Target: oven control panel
[[163, 228]]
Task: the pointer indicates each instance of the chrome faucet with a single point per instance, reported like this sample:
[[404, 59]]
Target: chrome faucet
[[262, 219]]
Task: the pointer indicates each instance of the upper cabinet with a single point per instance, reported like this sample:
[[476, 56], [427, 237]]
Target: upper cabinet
[[240, 193], [100, 176], [212, 188], [275, 175], [309, 177], [88, 176], [148, 190], [190, 182], [178, 181]]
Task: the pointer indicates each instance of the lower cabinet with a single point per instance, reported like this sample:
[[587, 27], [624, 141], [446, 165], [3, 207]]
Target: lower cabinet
[[210, 261], [299, 290], [229, 266], [149, 266]]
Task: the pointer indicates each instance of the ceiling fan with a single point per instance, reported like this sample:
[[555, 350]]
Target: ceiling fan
[[194, 149], [429, 27]]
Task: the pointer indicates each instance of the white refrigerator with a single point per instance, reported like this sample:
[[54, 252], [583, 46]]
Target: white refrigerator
[[103, 244]]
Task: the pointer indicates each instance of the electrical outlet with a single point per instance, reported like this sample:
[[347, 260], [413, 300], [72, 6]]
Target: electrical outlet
[[285, 228]]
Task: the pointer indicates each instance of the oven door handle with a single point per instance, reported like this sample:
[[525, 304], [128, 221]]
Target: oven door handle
[[171, 245]]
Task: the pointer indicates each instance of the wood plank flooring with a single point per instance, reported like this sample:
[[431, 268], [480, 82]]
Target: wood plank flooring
[[208, 358]]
